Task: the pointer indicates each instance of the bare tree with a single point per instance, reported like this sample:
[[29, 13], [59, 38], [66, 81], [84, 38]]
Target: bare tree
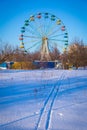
[[55, 54], [77, 54], [6, 52]]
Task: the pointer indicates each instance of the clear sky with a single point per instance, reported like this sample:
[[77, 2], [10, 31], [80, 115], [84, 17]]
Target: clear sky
[[14, 12]]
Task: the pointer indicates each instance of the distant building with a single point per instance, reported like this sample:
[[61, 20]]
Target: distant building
[[48, 64], [6, 65], [3, 65]]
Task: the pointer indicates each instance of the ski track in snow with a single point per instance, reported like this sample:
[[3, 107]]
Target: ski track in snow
[[47, 107], [46, 111]]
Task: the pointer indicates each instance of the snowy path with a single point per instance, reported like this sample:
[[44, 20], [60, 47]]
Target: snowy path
[[43, 100], [45, 112]]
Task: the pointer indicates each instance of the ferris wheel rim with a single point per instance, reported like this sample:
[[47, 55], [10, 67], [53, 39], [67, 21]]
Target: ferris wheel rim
[[39, 36]]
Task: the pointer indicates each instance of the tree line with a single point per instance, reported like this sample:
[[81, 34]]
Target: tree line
[[75, 56]]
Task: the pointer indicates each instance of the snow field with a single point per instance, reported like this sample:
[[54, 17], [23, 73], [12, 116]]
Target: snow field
[[43, 100]]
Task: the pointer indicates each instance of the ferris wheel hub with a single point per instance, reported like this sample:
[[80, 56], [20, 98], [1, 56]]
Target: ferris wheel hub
[[44, 38]]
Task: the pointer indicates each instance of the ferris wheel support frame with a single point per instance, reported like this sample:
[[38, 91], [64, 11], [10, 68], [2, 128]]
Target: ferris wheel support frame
[[45, 50]]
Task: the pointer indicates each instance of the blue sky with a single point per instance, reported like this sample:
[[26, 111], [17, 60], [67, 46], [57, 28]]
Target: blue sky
[[14, 12]]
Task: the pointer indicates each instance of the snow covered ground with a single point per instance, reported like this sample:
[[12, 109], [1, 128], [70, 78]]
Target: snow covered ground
[[43, 100]]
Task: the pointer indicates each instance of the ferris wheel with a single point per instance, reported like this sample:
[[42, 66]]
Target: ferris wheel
[[43, 31]]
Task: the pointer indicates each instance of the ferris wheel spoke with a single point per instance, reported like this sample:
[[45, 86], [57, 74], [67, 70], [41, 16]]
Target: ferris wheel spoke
[[35, 28], [31, 37], [49, 26], [34, 45], [51, 48], [44, 26], [33, 31], [39, 27], [35, 48], [53, 32], [51, 29], [38, 47], [57, 40], [53, 26], [48, 23], [58, 45], [32, 41], [41, 30], [57, 35]]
